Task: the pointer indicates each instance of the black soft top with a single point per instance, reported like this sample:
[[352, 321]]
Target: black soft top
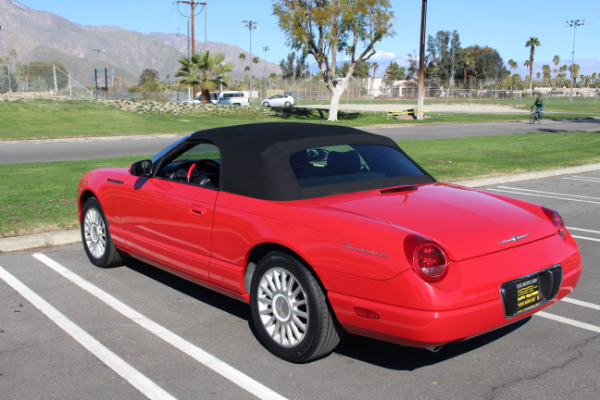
[[255, 158]]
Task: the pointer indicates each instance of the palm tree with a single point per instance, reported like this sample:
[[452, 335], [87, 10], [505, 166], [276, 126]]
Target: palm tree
[[531, 43], [467, 60], [527, 64], [375, 66], [512, 64], [562, 74], [546, 70], [208, 71], [574, 68]]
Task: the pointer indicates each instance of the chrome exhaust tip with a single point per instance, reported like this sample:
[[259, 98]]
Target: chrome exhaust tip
[[434, 349]]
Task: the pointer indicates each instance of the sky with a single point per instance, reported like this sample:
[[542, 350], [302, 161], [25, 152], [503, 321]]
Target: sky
[[503, 25]]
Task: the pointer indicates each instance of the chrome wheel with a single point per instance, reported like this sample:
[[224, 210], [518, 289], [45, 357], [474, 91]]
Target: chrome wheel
[[94, 231], [95, 235], [289, 309], [283, 309]]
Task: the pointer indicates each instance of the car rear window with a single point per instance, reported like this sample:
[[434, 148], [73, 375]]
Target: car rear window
[[350, 163]]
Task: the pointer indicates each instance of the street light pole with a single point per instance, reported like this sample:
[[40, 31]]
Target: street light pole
[[250, 25], [574, 23], [1, 41], [265, 49]]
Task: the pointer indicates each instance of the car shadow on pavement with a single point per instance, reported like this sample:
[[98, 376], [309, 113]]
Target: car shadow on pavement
[[376, 352], [191, 289], [396, 357]]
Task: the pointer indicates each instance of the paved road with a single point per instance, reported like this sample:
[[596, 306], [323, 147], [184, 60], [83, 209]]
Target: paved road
[[161, 348], [83, 149]]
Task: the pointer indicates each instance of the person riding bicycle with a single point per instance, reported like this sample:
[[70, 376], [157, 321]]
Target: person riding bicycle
[[539, 107]]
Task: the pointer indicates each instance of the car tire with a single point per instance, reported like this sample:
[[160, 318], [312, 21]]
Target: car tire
[[288, 104], [290, 311], [95, 236], [266, 104]]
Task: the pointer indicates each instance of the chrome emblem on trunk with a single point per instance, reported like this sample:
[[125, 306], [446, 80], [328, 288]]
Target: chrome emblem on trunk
[[513, 239]]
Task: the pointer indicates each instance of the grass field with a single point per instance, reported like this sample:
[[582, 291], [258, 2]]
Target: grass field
[[47, 119], [40, 197]]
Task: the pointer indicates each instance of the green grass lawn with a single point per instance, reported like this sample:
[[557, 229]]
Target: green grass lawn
[[48, 119], [40, 197]]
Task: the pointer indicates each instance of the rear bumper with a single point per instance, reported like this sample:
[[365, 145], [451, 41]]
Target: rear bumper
[[426, 328]]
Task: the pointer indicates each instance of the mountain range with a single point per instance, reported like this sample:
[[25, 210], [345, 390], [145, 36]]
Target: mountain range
[[42, 36]]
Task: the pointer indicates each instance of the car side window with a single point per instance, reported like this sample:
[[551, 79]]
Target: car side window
[[198, 165]]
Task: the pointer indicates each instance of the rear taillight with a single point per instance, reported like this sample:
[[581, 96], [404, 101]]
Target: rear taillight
[[557, 221], [427, 259]]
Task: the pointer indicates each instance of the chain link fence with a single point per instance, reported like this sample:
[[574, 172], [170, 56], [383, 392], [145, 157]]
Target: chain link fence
[[41, 79], [51, 80]]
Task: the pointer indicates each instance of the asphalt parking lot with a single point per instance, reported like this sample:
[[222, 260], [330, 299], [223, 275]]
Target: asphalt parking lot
[[70, 330]]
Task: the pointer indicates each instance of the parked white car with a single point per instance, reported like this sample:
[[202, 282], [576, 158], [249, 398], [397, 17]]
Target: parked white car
[[237, 98], [278, 100]]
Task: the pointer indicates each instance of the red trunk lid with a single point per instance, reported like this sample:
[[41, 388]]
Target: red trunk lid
[[467, 223]]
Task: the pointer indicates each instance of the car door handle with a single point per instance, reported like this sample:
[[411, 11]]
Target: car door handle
[[198, 210]]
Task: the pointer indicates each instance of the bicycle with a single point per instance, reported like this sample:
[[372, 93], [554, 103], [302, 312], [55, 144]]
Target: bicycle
[[534, 117]]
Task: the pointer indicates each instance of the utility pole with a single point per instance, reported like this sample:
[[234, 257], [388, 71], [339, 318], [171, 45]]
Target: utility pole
[[422, 61], [193, 3]]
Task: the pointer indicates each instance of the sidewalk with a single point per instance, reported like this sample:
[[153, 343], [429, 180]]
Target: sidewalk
[[19, 243]]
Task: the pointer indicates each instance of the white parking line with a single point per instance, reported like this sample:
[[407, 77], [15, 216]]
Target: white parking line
[[569, 321], [572, 228], [543, 192], [114, 362], [581, 303], [225, 370], [548, 195], [583, 178], [586, 238]]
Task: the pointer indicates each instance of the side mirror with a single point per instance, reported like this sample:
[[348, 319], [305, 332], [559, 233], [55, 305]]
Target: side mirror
[[141, 168]]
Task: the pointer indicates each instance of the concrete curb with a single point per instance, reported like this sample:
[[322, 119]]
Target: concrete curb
[[27, 242], [496, 180]]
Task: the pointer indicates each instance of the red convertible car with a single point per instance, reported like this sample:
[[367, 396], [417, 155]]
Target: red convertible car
[[325, 230]]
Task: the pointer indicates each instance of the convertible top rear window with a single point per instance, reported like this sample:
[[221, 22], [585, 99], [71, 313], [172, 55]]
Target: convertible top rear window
[[349, 163]]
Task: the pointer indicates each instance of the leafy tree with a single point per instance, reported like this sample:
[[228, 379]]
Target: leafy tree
[[287, 66], [148, 75], [413, 65], [488, 64], [294, 66], [361, 70], [324, 28], [443, 52], [393, 73], [301, 70], [531, 43], [207, 70]]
